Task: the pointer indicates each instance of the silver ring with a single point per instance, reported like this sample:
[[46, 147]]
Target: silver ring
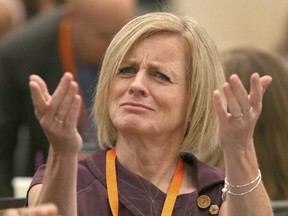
[[237, 118], [58, 120], [247, 111]]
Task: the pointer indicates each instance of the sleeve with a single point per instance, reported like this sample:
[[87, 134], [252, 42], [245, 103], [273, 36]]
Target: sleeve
[[37, 179]]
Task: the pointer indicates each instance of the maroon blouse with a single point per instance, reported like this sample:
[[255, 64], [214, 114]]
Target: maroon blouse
[[137, 196]]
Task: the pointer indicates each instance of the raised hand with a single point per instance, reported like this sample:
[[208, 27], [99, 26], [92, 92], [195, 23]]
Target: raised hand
[[58, 113], [237, 123]]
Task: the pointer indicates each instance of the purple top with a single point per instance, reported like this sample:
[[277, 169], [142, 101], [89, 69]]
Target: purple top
[[137, 196]]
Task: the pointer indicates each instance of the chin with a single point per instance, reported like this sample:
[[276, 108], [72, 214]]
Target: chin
[[131, 126]]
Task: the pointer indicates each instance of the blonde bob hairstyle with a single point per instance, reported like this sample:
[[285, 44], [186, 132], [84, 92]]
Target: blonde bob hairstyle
[[204, 75]]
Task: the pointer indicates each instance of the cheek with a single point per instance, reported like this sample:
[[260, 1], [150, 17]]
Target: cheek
[[117, 91], [168, 103], [112, 102], [179, 104]]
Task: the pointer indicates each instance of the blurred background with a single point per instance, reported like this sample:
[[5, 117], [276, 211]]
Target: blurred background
[[259, 23]]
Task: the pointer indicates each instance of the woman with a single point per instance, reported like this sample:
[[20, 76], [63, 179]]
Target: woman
[[153, 108]]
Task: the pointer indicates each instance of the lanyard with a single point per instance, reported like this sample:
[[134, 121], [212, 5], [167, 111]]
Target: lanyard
[[68, 63], [112, 187]]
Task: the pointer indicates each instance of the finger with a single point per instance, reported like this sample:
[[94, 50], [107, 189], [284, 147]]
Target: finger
[[258, 88], [42, 85], [43, 210], [219, 105], [39, 97], [240, 92], [73, 114], [47, 210], [265, 82], [59, 94], [36, 96], [255, 90], [9, 212], [65, 104], [232, 102]]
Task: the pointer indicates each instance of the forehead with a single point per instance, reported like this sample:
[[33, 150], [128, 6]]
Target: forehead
[[163, 47], [164, 52]]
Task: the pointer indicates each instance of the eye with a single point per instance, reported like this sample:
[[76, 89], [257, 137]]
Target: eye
[[162, 77], [127, 71]]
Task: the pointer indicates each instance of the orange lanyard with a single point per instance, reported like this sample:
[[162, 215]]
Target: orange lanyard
[[112, 187], [68, 63]]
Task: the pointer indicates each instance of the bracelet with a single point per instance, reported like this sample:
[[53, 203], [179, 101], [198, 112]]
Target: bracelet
[[225, 189], [244, 185]]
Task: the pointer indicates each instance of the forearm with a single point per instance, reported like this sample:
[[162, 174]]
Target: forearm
[[59, 184], [250, 197], [58, 115]]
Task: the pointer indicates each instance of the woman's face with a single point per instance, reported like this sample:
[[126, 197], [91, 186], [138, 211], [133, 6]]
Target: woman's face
[[149, 93]]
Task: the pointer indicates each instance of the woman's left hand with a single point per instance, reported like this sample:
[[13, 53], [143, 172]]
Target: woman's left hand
[[237, 123]]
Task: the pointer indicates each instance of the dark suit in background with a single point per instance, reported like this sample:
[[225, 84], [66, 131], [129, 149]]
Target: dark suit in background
[[35, 49]]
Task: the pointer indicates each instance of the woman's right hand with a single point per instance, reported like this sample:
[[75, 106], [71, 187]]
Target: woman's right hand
[[58, 113]]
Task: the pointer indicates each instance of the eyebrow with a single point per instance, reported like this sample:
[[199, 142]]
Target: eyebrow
[[153, 64]]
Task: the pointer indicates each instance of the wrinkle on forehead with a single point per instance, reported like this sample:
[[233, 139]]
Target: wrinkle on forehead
[[146, 54]]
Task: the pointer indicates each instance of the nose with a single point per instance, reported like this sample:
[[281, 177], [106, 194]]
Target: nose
[[139, 84]]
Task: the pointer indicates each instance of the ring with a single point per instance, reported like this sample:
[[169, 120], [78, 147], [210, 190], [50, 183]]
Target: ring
[[237, 118], [58, 120], [247, 111]]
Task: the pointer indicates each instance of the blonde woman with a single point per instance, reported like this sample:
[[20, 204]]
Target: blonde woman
[[157, 104]]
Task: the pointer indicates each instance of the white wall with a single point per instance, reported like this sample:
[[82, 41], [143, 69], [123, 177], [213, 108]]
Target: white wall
[[233, 23]]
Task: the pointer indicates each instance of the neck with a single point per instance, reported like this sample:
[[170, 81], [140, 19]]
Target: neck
[[155, 163]]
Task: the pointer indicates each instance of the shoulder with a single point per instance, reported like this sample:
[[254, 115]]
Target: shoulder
[[207, 177], [91, 168], [204, 171]]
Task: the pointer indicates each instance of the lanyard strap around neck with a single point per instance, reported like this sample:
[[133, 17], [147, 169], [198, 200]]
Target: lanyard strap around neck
[[112, 187]]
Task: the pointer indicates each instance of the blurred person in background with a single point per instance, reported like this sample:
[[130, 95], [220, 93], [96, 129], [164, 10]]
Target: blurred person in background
[[14, 13], [35, 7], [146, 6], [271, 131], [71, 38]]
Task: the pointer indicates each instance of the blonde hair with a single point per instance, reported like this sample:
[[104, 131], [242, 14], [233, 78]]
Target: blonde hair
[[204, 75]]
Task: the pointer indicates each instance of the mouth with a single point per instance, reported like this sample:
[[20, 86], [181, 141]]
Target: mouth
[[132, 104]]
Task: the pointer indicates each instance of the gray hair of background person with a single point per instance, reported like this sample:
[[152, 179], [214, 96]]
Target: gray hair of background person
[[271, 131], [204, 75]]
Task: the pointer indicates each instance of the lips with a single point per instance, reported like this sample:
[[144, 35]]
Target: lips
[[136, 105]]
